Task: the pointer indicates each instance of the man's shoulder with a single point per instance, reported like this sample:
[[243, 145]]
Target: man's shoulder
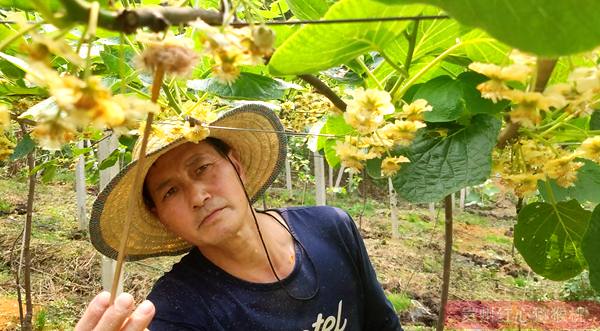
[[320, 219], [319, 213]]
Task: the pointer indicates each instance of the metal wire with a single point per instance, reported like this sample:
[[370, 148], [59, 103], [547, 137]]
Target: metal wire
[[332, 21], [347, 20]]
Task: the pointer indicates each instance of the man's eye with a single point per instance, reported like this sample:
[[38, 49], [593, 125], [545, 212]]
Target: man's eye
[[201, 168], [169, 193]]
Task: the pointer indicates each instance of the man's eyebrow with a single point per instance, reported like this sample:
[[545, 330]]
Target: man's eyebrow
[[162, 185], [195, 158]]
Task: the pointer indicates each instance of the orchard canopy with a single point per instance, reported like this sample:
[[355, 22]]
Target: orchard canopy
[[436, 95]]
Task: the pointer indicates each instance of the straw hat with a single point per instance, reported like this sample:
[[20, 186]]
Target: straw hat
[[261, 147]]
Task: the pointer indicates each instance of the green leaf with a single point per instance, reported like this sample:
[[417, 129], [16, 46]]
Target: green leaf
[[335, 125], [11, 89], [248, 86], [595, 120], [487, 50], [443, 165], [433, 37], [49, 172], [114, 64], [585, 187], [110, 160], [444, 95], [548, 28], [24, 147], [590, 246], [549, 238], [317, 47], [17, 62], [453, 98], [308, 9]]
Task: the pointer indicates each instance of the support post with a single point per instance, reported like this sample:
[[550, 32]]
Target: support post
[[80, 190], [393, 211], [463, 196], [288, 175], [105, 147], [320, 198]]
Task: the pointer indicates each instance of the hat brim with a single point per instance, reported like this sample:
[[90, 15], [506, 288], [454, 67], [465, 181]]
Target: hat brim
[[253, 131]]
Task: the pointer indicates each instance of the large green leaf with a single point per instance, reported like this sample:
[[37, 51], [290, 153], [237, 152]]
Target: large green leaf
[[248, 86], [317, 47], [335, 125], [443, 165], [444, 95], [585, 187], [590, 246], [308, 9], [486, 49], [433, 37], [548, 236], [453, 98], [548, 28]]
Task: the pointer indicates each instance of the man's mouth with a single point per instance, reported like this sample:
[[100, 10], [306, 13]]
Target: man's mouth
[[211, 216]]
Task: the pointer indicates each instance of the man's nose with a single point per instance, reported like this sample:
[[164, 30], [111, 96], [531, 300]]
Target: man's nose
[[198, 195]]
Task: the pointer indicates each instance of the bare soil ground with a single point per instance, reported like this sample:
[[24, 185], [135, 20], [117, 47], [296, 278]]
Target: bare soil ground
[[66, 267]]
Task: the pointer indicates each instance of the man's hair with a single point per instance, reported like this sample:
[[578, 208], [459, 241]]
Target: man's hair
[[219, 145]]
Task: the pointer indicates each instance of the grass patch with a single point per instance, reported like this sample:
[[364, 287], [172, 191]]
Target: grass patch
[[400, 301], [5, 206], [473, 219], [501, 240]]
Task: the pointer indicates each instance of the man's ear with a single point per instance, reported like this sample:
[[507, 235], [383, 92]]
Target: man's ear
[[234, 156]]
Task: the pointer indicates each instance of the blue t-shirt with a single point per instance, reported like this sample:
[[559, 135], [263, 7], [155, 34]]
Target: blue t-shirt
[[198, 295]]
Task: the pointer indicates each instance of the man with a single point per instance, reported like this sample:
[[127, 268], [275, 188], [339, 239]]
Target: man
[[303, 268]]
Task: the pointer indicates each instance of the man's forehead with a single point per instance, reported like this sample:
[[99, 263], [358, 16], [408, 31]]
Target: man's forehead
[[183, 155]]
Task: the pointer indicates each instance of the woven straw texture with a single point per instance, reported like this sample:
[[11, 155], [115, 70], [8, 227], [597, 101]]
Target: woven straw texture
[[261, 153]]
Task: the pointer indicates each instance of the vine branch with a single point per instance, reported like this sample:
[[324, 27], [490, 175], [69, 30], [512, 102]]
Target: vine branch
[[325, 90]]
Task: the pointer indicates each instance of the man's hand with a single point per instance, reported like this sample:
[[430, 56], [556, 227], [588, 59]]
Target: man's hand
[[100, 316]]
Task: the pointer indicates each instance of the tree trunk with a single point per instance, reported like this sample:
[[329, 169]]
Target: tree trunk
[[26, 253], [448, 204]]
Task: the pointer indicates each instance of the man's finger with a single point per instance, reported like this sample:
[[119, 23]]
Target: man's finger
[[93, 312], [115, 315], [140, 318]]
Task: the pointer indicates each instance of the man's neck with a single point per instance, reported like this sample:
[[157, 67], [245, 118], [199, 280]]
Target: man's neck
[[243, 255]]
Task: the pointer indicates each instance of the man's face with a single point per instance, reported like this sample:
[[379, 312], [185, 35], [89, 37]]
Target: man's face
[[197, 194]]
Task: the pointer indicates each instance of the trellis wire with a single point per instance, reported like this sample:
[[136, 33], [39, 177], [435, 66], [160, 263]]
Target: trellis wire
[[312, 22]]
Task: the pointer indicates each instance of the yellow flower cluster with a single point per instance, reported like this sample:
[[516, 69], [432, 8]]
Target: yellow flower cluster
[[81, 103], [391, 165], [576, 96], [4, 117], [366, 109], [232, 48], [531, 161], [366, 113], [563, 170], [194, 128], [6, 147], [304, 110], [590, 149]]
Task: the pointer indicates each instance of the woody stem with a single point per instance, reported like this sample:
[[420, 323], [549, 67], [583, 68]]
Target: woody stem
[[137, 184]]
